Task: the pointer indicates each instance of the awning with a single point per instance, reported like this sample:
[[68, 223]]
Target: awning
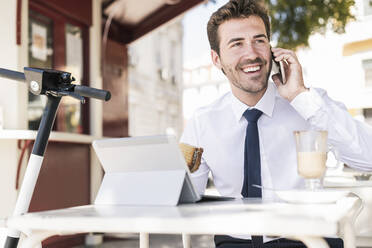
[[132, 19], [357, 46]]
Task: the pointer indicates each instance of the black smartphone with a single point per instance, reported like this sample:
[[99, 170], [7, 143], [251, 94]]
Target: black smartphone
[[278, 68]]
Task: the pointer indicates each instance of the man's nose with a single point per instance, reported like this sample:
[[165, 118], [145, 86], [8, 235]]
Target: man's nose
[[250, 51]]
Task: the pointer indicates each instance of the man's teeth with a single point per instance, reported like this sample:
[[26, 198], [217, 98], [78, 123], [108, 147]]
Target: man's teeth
[[251, 68]]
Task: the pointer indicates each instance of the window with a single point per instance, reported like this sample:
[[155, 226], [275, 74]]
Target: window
[[173, 65], [367, 66], [57, 42], [367, 6], [367, 113], [40, 54], [69, 114]]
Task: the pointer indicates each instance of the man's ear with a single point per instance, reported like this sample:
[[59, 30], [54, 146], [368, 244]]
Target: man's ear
[[216, 59]]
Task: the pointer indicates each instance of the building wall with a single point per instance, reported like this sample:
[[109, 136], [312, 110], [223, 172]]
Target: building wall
[[13, 96], [96, 82], [335, 62], [202, 85], [155, 82]]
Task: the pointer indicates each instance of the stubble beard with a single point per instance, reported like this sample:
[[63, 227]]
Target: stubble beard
[[255, 84]]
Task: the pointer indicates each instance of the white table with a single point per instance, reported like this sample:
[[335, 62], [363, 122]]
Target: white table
[[308, 223], [363, 227]]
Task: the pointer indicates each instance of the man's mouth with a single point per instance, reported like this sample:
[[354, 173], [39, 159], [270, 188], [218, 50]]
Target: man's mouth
[[251, 69]]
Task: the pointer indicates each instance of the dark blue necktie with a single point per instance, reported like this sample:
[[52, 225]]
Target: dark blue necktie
[[252, 159], [252, 162]]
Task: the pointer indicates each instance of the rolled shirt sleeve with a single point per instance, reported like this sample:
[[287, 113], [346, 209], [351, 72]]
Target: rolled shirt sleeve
[[351, 138], [190, 136]]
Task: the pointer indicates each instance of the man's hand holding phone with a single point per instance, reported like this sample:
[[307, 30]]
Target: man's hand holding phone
[[278, 69], [291, 82]]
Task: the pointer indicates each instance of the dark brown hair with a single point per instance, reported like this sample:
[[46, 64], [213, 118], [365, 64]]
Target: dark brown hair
[[235, 9]]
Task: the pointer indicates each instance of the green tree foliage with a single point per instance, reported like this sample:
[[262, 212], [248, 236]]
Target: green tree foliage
[[293, 21]]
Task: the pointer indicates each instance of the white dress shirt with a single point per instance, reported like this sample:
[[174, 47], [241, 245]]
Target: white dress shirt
[[220, 127]]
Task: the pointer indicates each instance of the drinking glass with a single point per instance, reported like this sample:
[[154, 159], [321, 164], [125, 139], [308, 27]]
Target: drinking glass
[[312, 148]]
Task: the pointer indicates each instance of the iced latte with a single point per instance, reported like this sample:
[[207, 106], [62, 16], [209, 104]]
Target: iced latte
[[311, 164], [311, 149]]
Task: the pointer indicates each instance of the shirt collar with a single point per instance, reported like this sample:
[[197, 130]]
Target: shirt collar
[[265, 104]]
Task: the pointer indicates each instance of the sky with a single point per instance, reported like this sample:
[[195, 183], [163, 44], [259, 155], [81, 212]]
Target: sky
[[196, 50]]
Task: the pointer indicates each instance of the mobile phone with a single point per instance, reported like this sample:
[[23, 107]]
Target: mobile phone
[[278, 68]]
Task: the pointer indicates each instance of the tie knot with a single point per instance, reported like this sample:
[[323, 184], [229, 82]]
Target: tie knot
[[252, 115]]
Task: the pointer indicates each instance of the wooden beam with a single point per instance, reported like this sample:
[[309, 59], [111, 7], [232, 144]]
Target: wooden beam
[[128, 33], [161, 16], [118, 32], [19, 22], [80, 10]]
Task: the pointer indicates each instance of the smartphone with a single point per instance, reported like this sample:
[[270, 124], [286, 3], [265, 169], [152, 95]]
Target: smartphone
[[278, 68]]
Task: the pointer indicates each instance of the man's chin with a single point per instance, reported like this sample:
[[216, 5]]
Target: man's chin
[[254, 90], [254, 87]]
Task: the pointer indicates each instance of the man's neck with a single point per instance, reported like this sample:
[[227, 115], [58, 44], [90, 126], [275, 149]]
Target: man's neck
[[250, 99]]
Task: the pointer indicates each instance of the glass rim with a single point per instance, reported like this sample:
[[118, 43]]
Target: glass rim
[[315, 131]]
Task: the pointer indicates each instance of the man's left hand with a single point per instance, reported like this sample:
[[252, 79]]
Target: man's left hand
[[293, 72]]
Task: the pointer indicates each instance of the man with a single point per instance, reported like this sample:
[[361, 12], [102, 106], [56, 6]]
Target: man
[[239, 35]]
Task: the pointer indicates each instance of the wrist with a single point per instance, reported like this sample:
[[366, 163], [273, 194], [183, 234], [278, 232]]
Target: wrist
[[297, 92]]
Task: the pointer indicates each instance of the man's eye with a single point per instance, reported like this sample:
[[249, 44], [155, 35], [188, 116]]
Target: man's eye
[[237, 44], [260, 41]]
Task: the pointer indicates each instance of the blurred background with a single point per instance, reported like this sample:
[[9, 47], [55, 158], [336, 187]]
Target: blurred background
[[334, 47], [154, 57]]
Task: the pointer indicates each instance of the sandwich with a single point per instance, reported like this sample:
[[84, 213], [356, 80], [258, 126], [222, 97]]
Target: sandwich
[[192, 156]]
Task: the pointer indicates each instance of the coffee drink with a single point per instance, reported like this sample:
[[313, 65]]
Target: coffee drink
[[311, 164]]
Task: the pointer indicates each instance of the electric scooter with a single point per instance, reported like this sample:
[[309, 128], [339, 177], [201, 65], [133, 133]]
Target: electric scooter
[[54, 84]]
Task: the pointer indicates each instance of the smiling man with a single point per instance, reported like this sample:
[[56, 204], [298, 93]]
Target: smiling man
[[247, 134], [244, 55]]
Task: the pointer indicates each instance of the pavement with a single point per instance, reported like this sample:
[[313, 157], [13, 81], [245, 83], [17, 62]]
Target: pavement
[[157, 241]]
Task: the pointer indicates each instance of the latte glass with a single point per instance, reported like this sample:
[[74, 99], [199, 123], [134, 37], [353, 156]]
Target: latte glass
[[312, 148]]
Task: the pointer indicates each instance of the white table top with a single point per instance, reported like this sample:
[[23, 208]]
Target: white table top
[[238, 217], [346, 182]]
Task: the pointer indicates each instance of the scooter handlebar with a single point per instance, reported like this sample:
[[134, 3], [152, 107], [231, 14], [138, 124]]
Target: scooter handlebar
[[84, 91], [14, 75], [92, 92]]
